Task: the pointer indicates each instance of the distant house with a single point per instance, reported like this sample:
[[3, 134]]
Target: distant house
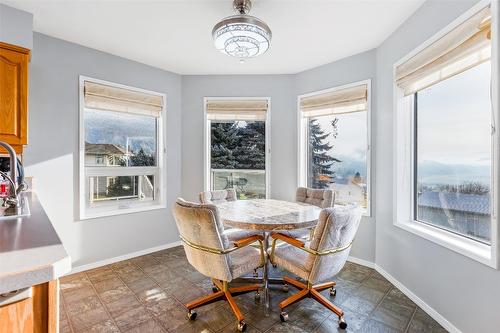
[[349, 190], [103, 154], [465, 213]]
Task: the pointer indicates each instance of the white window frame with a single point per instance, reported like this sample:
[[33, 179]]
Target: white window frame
[[159, 172], [302, 145], [207, 140], [404, 158]]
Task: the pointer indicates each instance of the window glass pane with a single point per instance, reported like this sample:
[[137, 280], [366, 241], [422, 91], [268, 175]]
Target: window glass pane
[[337, 156], [238, 157], [119, 139], [453, 160], [112, 188]]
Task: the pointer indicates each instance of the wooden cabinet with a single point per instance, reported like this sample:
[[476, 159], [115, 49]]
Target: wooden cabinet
[[14, 62], [36, 314]]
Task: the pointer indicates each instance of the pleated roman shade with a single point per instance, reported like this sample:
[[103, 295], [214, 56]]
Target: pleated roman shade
[[466, 46], [251, 110], [105, 97], [348, 100]]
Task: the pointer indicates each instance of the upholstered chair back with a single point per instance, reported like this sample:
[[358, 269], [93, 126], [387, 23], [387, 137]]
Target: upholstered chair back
[[200, 225], [320, 198], [218, 196], [336, 228]]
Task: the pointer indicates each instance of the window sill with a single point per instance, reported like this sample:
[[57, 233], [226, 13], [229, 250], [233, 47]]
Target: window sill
[[464, 246], [116, 212]]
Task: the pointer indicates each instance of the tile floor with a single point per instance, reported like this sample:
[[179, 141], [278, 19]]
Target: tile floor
[[145, 294]]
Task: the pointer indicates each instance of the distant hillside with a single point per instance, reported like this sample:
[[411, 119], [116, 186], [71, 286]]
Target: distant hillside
[[440, 173], [429, 172], [108, 128], [349, 166]]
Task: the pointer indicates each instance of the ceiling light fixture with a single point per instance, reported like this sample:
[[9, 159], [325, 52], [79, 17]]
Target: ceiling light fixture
[[242, 36]]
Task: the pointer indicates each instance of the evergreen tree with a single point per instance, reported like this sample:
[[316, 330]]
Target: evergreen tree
[[357, 178], [321, 164], [121, 186], [224, 141], [142, 159], [238, 146], [251, 152]]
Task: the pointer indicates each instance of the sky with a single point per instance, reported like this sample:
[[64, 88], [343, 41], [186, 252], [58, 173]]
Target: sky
[[351, 141], [118, 128], [454, 119]]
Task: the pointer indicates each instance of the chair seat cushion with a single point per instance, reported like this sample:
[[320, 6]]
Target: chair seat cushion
[[234, 234], [299, 233], [244, 261], [292, 259]]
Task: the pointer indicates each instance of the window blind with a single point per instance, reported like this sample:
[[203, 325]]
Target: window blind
[[105, 97], [466, 46], [348, 100], [251, 110]]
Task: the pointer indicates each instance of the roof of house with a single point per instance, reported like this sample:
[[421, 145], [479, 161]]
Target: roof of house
[[103, 149], [471, 203], [323, 178]]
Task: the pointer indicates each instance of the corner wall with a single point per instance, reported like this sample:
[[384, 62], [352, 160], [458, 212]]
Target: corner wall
[[460, 289], [52, 155], [283, 90], [348, 70]]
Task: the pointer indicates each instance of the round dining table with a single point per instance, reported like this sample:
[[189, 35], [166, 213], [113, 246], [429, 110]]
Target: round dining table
[[268, 215]]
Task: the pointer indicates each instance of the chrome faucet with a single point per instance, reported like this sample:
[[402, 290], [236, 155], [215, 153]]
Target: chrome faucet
[[16, 185]]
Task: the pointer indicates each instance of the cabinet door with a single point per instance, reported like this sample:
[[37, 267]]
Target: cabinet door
[[17, 317], [13, 95]]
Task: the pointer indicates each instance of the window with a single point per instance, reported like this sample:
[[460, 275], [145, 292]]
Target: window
[[453, 154], [445, 145], [236, 147], [334, 142], [121, 143]]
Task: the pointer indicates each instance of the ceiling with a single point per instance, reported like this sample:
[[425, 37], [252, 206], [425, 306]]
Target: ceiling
[[176, 35]]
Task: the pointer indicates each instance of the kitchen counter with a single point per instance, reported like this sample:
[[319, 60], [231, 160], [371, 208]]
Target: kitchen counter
[[31, 252]]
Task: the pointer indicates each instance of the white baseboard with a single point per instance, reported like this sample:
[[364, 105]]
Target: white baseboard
[[424, 306], [361, 262], [104, 262]]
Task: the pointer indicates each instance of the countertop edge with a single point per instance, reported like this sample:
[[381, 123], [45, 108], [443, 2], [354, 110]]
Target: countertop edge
[[31, 252]]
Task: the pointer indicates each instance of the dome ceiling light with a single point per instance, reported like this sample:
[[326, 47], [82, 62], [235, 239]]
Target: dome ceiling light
[[242, 36]]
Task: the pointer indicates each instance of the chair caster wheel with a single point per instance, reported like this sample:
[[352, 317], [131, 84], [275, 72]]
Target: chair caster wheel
[[342, 323], [274, 265], [333, 292], [257, 296], [192, 315], [215, 289], [255, 274], [283, 316], [285, 287], [242, 326]]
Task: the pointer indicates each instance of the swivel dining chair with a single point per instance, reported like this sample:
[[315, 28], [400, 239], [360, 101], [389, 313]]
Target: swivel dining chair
[[213, 255], [318, 197], [219, 196], [322, 259]]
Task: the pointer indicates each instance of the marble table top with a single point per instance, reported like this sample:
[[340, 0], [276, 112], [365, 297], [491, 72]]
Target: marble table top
[[268, 214]]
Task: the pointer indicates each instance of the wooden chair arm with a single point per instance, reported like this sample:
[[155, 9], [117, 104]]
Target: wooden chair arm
[[249, 240], [287, 239]]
